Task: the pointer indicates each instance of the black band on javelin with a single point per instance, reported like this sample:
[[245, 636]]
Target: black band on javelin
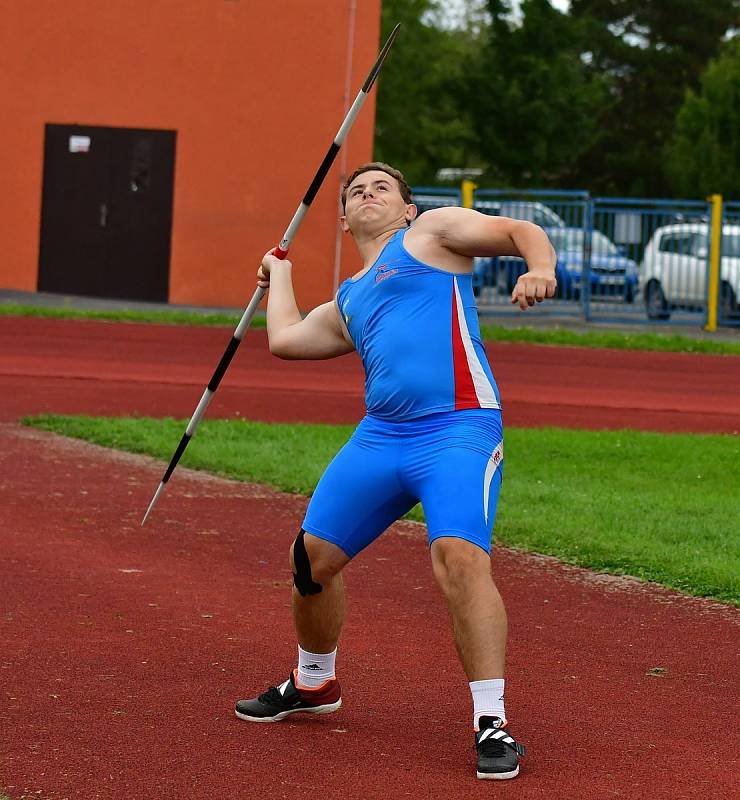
[[223, 364], [321, 173], [180, 450]]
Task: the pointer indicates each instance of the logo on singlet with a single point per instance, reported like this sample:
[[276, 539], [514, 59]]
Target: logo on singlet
[[383, 271]]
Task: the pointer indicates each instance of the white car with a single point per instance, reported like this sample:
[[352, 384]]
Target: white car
[[674, 269]]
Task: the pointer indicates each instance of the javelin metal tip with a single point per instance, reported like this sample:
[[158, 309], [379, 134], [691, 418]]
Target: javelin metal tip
[[153, 503], [381, 58]]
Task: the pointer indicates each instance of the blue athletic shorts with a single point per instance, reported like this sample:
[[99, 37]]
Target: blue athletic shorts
[[452, 462]]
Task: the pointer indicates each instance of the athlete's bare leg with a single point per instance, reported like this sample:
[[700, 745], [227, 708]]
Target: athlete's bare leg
[[463, 572], [318, 618]]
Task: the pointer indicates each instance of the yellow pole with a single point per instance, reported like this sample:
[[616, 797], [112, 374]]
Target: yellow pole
[[468, 187], [714, 258]]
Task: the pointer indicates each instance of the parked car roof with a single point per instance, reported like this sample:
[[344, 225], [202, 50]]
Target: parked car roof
[[518, 209], [695, 227], [521, 209]]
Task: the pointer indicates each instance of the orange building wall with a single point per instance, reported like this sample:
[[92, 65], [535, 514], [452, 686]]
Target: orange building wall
[[255, 90]]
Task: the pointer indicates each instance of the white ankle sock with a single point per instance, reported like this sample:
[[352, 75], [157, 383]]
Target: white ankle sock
[[488, 699], [315, 668]]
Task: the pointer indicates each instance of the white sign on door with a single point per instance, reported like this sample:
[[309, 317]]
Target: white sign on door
[[79, 144]]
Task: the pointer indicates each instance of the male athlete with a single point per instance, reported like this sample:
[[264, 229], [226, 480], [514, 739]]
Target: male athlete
[[432, 433]]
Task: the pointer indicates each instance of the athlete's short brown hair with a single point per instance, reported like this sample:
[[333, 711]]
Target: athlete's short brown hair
[[380, 166]]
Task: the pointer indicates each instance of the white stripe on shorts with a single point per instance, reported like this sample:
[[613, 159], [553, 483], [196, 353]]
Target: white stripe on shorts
[[493, 463]]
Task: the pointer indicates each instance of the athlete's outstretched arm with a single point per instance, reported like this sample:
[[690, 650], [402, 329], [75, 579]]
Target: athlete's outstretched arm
[[471, 233], [317, 336]]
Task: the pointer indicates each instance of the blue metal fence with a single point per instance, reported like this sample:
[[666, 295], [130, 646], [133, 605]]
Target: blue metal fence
[[664, 259], [631, 260]]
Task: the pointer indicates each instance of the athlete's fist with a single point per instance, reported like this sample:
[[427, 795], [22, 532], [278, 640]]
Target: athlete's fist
[[268, 263], [533, 287]]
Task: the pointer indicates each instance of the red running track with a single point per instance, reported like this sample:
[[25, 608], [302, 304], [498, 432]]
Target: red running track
[[124, 648], [97, 367]]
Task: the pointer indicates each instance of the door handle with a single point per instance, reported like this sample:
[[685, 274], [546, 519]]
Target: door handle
[[103, 215]]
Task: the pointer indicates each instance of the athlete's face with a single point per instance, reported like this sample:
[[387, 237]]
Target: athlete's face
[[374, 201]]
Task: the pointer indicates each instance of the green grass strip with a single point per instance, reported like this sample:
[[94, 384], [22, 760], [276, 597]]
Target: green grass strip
[[660, 507], [173, 317], [614, 340], [663, 342]]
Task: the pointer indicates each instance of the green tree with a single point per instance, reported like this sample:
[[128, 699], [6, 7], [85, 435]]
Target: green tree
[[532, 98], [650, 51], [421, 120], [704, 156]]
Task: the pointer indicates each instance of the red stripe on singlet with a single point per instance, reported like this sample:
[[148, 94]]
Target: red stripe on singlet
[[465, 396]]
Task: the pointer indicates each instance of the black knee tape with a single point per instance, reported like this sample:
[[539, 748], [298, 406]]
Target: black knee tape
[[302, 576]]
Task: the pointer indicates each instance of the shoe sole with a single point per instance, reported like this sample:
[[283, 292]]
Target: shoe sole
[[498, 776], [326, 709]]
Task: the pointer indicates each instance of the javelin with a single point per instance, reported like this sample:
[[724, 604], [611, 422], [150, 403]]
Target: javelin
[[281, 251]]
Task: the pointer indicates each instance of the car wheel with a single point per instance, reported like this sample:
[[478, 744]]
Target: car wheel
[[655, 302], [727, 301]]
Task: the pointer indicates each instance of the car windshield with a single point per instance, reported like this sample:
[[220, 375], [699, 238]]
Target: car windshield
[[572, 239]]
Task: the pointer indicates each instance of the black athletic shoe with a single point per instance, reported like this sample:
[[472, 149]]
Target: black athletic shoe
[[498, 753], [280, 701]]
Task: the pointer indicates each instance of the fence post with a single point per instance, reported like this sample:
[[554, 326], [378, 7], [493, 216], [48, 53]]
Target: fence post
[[468, 187], [586, 263], [714, 262]]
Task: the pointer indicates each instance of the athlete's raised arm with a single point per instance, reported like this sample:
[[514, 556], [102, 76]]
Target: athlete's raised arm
[[318, 336], [471, 233]]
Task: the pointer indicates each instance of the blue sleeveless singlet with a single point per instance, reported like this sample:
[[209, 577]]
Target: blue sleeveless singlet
[[416, 330]]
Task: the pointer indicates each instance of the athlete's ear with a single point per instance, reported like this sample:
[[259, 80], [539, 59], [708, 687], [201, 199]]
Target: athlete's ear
[[411, 213]]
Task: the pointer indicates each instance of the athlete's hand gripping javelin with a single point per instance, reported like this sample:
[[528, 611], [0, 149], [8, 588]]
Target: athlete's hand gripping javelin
[[318, 335], [268, 262]]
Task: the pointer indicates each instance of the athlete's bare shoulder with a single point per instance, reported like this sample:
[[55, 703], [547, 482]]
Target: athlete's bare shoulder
[[437, 221], [427, 237]]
